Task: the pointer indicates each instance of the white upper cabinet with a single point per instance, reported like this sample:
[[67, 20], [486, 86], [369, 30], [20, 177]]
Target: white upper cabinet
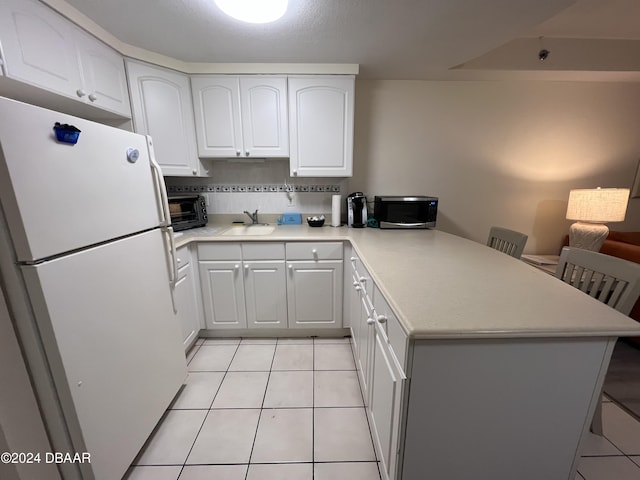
[[321, 110], [104, 80], [241, 116], [161, 103], [41, 48]]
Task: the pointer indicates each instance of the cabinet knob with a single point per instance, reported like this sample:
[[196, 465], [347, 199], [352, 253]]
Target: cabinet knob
[[363, 279], [246, 154], [246, 268], [370, 321], [314, 251], [355, 284], [358, 288], [178, 260], [382, 319], [290, 267], [353, 259], [237, 153], [194, 171], [295, 172], [80, 92], [92, 97], [236, 266]]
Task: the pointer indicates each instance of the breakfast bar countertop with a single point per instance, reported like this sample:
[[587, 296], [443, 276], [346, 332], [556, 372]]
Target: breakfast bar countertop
[[444, 286]]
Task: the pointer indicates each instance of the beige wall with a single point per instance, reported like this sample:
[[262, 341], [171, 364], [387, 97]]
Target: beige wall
[[498, 153]]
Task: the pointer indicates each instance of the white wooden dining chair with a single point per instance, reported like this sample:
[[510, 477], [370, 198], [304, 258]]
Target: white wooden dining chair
[[611, 280], [507, 241]]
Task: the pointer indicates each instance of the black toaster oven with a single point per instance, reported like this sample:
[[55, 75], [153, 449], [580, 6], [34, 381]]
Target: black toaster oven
[[187, 211]]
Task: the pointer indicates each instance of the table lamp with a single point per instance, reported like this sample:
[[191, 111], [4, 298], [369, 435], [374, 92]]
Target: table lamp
[[592, 208]]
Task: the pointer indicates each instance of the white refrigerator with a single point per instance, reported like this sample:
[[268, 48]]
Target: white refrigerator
[[88, 263]]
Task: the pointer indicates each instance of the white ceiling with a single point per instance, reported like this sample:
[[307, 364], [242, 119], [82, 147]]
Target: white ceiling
[[390, 39]]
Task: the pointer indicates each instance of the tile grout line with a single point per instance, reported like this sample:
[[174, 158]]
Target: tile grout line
[[208, 411], [264, 396], [313, 410]]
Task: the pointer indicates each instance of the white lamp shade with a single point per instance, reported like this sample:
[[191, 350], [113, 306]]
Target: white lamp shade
[[598, 205]]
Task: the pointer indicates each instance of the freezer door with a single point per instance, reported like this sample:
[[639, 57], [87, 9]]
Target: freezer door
[[113, 343], [60, 197]]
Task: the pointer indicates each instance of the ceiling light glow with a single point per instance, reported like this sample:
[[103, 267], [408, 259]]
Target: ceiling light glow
[[253, 11]]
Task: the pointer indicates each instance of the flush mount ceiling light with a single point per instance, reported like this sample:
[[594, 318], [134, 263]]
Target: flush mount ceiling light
[[253, 11]]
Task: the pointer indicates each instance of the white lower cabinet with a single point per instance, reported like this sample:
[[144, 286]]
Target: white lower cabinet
[[361, 324], [381, 375], [222, 284], [223, 294], [244, 285], [271, 284], [265, 288], [314, 294], [314, 284], [265, 293], [186, 298], [387, 380]]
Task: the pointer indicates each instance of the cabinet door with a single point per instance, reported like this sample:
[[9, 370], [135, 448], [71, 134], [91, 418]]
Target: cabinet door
[[314, 294], [265, 294], [265, 129], [161, 107], [39, 47], [216, 103], [105, 82], [365, 334], [321, 126], [386, 396], [186, 305], [223, 294]]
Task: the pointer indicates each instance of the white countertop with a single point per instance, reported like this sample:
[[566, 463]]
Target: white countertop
[[443, 286]]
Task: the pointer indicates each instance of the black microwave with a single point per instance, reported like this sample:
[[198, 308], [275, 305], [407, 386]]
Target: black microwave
[[405, 211], [187, 211]]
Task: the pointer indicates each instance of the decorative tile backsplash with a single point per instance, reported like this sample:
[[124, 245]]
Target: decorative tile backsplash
[[261, 188]]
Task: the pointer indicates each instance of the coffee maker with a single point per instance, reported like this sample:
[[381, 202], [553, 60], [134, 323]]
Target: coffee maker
[[357, 210]]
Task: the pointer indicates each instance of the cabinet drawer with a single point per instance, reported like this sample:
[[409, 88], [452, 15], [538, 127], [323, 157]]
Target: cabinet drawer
[[391, 326], [183, 256], [263, 251], [183, 271], [219, 251], [314, 251]]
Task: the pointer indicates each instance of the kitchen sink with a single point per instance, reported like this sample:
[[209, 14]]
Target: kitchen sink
[[242, 230]]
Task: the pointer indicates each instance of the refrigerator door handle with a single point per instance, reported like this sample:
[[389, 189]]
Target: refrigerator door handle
[[172, 262], [161, 188]]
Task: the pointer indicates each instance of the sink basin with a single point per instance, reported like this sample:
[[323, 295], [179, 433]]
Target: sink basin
[[242, 230]]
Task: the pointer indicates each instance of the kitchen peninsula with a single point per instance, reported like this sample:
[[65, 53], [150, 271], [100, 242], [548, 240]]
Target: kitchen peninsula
[[473, 364]]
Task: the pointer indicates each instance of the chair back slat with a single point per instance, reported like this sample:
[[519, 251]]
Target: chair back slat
[[507, 241], [610, 280], [616, 295]]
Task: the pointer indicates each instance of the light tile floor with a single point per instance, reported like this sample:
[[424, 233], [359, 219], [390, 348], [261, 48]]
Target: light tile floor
[[291, 409], [616, 455], [262, 409]]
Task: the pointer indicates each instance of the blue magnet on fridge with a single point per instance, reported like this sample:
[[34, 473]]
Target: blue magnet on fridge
[[66, 133]]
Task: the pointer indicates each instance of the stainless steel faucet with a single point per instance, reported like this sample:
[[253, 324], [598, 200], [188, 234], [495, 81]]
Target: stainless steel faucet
[[253, 216]]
